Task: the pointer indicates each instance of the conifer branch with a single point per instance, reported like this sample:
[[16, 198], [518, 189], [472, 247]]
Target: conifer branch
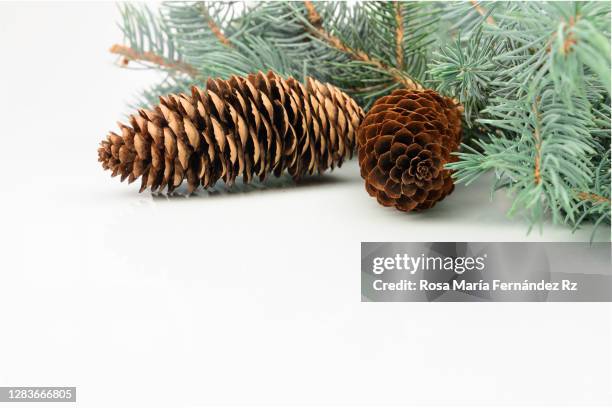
[[129, 54], [594, 198], [538, 144], [536, 84], [399, 36], [313, 16], [569, 41], [483, 12], [214, 28], [316, 29]]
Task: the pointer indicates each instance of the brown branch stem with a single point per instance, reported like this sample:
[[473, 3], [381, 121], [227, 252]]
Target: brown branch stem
[[595, 198], [399, 35], [482, 12], [315, 20], [129, 54], [313, 16], [214, 27], [538, 146], [570, 39]]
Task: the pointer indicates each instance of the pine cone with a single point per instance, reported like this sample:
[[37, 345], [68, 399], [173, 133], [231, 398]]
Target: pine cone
[[252, 126], [404, 142]]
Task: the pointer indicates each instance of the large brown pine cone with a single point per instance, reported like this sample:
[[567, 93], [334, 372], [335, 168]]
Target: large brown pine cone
[[404, 142], [253, 126]]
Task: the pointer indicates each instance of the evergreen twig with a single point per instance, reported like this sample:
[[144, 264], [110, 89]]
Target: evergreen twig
[[399, 36], [317, 30], [476, 4], [214, 27], [495, 58], [594, 198], [129, 54], [538, 143]]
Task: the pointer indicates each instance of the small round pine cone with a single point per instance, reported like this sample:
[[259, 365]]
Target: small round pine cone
[[403, 144]]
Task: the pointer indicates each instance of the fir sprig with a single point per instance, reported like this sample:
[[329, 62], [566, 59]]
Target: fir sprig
[[533, 77]]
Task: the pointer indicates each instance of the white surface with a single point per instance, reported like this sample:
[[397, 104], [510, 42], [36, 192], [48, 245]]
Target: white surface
[[247, 297]]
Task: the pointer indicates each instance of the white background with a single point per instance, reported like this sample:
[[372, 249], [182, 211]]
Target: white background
[[250, 297]]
